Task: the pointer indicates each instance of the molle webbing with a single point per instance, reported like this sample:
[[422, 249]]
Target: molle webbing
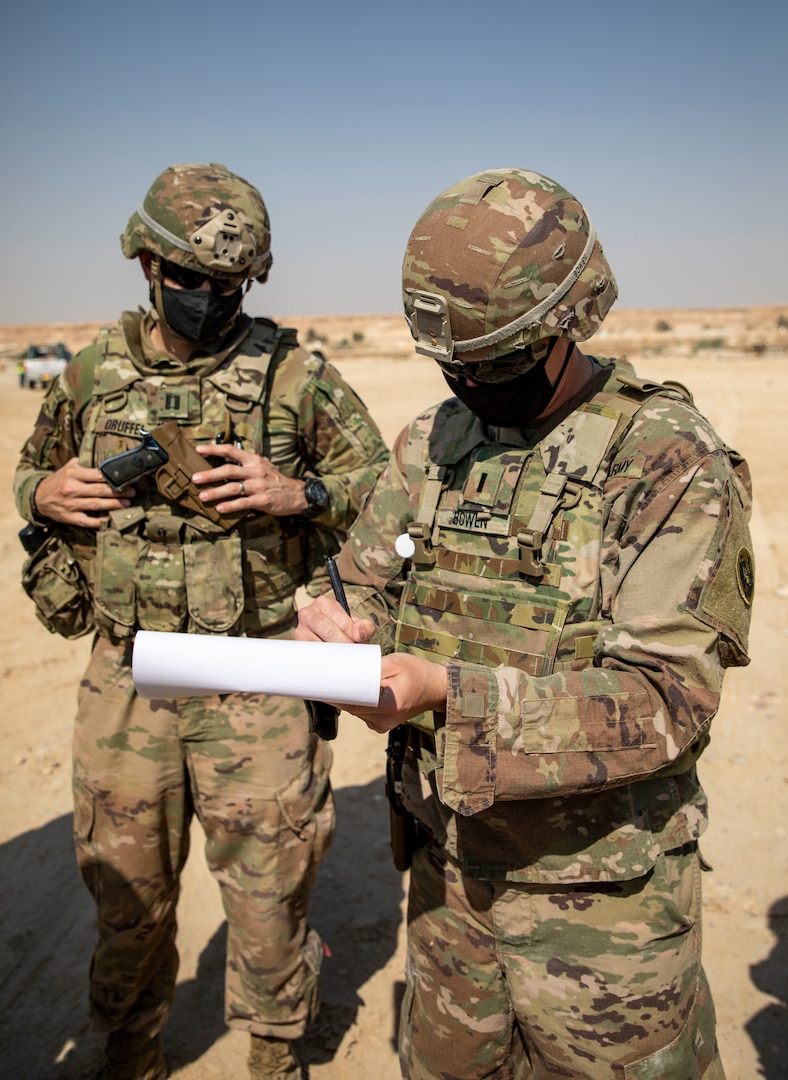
[[532, 538]]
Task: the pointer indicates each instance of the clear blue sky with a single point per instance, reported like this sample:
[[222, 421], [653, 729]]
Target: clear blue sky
[[667, 119]]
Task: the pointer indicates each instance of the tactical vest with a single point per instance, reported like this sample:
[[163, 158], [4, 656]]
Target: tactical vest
[[507, 572], [159, 566]]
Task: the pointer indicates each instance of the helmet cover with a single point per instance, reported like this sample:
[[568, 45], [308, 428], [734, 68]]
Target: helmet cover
[[205, 218], [499, 261]]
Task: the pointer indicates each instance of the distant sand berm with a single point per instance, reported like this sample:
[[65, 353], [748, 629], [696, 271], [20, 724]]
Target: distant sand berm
[[635, 332]]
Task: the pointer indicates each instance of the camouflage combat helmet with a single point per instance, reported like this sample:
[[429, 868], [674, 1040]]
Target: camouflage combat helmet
[[204, 218], [498, 262]]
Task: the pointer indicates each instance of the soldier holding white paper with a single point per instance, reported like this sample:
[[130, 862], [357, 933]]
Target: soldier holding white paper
[[558, 562]]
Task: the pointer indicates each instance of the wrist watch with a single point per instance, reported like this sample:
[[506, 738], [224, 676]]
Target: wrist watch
[[316, 497], [38, 519]]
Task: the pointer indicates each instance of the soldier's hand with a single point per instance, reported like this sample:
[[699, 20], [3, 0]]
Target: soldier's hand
[[409, 685], [327, 620], [77, 495], [247, 481]]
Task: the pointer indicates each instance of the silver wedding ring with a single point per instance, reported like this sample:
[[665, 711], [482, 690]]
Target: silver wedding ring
[[242, 487]]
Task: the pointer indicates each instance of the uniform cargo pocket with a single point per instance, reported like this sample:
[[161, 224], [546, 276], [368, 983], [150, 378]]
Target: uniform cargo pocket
[[267, 577], [307, 825], [84, 822], [677, 1059]]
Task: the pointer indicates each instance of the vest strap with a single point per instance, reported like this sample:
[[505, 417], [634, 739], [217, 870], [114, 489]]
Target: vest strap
[[531, 539], [423, 531]]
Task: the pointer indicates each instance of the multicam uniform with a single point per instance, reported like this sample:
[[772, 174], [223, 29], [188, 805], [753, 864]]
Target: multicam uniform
[[248, 765], [586, 585]]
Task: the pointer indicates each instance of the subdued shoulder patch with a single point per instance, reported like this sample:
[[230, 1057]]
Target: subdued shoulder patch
[[726, 600], [745, 574]]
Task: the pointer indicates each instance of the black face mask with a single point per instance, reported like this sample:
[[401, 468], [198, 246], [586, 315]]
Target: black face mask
[[507, 404], [198, 314], [515, 403]]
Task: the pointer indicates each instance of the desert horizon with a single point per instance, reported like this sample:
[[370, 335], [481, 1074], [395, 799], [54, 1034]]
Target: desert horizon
[[635, 331]]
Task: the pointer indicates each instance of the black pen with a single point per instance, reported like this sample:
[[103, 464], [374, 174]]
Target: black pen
[[336, 583]]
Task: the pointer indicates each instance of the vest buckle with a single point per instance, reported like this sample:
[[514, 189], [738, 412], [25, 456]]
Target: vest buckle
[[530, 543], [419, 534], [571, 495]]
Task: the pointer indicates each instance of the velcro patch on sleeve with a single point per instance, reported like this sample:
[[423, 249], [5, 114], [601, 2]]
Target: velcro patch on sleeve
[[474, 705]]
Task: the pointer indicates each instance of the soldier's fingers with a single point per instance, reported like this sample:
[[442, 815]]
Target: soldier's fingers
[[363, 629], [234, 489], [103, 506], [109, 492], [73, 470], [212, 476], [380, 719], [87, 521], [324, 620], [226, 450], [327, 629]]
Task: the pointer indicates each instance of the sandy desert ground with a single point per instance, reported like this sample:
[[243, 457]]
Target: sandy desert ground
[[737, 365]]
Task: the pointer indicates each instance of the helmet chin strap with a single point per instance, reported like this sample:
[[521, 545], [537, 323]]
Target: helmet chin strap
[[155, 295], [157, 300], [565, 364]]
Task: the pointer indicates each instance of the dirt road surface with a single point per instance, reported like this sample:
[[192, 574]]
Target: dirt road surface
[[46, 918]]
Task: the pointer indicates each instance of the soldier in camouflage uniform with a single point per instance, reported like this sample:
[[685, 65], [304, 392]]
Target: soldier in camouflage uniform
[[290, 455], [557, 562]]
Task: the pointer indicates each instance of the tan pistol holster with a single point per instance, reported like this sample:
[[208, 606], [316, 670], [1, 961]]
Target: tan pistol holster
[[174, 479]]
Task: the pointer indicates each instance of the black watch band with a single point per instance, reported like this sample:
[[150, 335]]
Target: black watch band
[[316, 496]]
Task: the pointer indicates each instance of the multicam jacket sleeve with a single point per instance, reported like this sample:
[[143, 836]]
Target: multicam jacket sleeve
[[314, 411], [675, 589], [338, 438], [56, 436]]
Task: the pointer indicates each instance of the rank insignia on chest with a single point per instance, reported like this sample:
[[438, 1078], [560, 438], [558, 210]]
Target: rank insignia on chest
[[177, 403]]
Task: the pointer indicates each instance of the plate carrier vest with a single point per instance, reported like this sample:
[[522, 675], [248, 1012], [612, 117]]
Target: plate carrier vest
[[506, 571], [158, 566]]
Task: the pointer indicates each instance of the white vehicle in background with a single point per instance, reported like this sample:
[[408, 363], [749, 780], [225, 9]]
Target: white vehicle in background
[[43, 363]]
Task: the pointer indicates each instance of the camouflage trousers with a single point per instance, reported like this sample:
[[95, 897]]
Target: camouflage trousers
[[513, 981], [258, 781]]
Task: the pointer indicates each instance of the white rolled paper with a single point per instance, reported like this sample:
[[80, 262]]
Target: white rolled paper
[[198, 665]]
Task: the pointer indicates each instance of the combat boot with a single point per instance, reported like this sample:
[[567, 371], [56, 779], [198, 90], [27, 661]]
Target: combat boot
[[273, 1059], [131, 1056]]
